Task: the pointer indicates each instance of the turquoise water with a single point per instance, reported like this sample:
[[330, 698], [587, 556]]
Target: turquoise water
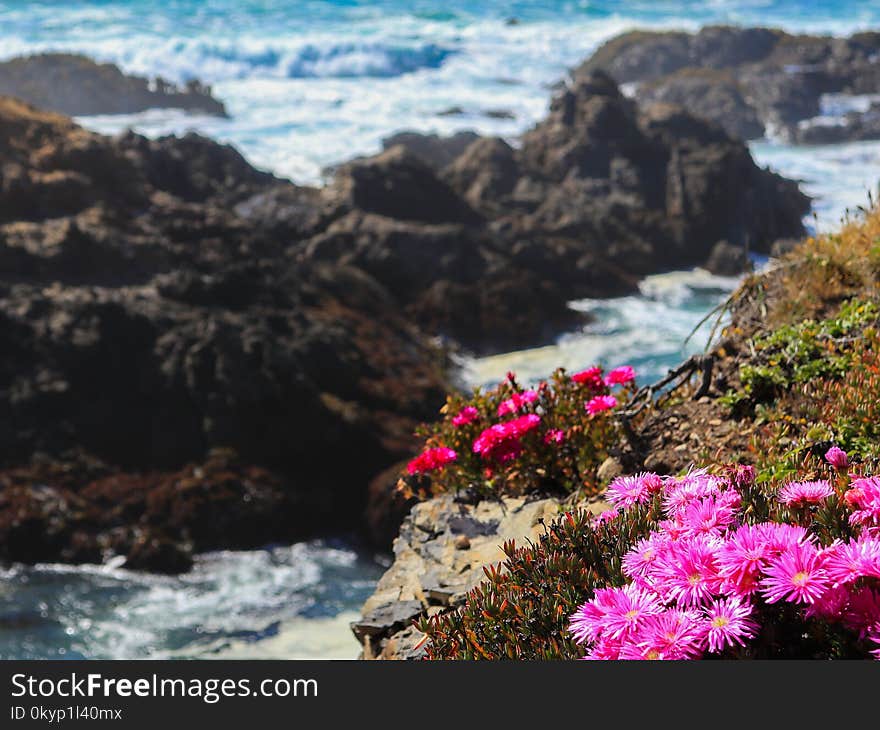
[[312, 83], [309, 84]]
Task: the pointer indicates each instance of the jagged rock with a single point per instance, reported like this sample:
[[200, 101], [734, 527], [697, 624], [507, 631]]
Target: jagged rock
[[434, 150], [78, 86], [712, 95], [746, 78], [434, 567], [728, 260]]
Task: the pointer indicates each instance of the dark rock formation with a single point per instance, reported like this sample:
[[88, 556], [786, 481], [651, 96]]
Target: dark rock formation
[[746, 79], [728, 260], [432, 149], [144, 322], [488, 249], [78, 86]]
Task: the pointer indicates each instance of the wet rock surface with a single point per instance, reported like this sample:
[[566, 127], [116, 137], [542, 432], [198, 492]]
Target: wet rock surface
[[748, 80], [78, 86]]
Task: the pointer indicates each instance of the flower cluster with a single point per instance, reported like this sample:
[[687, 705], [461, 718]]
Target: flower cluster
[[503, 441], [549, 438], [706, 580], [431, 460]]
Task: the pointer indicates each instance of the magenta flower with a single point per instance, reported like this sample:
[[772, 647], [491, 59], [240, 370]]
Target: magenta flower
[[671, 635], [515, 403], [847, 562], [687, 571], [502, 441], [741, 559], [863, 611], [837, 458], [619, 376], [643, 557], [780, 537], [554, 436], [624, 492], [614, 613], [729, 623], [431, 460], [803, 494], [682, 490], [591, 377], [797, 575], [600, 403], [710, 515], [863, 497], [466, 415]]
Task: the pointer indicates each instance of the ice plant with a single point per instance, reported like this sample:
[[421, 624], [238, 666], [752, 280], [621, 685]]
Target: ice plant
[[591, 377], [431, 460], [802, 494], [797, 575], [516, 402], [837, 457], [729, 623], [619, 376], [600, 403], [466, 415]]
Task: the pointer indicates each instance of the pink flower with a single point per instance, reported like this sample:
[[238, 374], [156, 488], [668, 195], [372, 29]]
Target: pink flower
[[694, 485], [614, 613], [796, 576], [671, 635], [863, 611], [501, 442], [600, 403], [619, 376], [741, 558], [624, 492], [729, 623], [801, 494], [591, 377], [780, 537], [687, 571], [830, 606], [466, 415], [431, 460], [554, 436], [837, 458], [642, 558], [515, 403], [846, 563], [710, 515], [864, 497], [609, 515]]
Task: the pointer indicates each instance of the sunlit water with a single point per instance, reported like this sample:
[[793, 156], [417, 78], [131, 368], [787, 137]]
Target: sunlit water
[[309, 84]]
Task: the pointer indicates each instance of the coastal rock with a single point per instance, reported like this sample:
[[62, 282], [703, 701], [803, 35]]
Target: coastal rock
[[434, 150], [728, 260], [712, 95], [78, 86], [145, 323], [433, 568], [747, 78]]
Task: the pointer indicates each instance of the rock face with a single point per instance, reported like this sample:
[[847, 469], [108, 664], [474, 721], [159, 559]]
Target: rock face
[[438, 557], [144, 323], [746, 79], [76, 85]]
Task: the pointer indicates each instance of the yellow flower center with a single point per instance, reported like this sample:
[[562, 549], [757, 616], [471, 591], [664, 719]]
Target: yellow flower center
[[694, 578], [719, 622], [800, 579], [632, 614]]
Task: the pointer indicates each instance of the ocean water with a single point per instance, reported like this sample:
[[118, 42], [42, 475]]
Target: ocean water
[[315, 82]]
